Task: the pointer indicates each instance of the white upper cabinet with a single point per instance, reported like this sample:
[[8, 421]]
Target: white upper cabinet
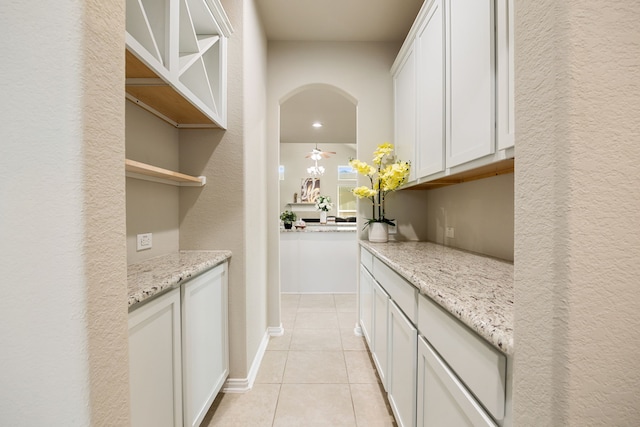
[[431, 95], [505, 118], [471, 118], [463, 63], [176, 60], [404, 83]]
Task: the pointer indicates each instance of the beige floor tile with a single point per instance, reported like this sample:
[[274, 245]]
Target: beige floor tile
[[272, 367], [253, 409], [316, 320], [346, 302], [370, 406], [314, 405], [351, 341], [316, 303], [315, 367], [316, 339], [360, 367], [347, 320], [289, 298], [281, 342]]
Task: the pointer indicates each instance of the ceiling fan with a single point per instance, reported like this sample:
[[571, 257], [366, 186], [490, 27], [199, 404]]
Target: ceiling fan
[[317, 154]]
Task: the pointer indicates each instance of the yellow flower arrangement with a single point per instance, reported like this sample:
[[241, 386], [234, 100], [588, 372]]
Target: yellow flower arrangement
[[387, 175]]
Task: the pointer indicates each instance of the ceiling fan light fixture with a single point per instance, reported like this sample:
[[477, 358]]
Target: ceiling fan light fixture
[[315, 170]]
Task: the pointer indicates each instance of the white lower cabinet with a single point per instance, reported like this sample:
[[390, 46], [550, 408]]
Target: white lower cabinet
[[366, 304], [442, 399], [205, 356], [380, 343], [401, 378], [436, 371], [178, 352], [155, 376]]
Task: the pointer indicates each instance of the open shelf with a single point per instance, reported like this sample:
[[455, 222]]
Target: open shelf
[[139, 170]]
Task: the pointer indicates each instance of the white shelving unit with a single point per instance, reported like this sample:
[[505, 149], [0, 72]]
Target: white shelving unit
[[176, 60]]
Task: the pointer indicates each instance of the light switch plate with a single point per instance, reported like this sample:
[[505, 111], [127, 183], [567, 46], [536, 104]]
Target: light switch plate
[[145, 241]]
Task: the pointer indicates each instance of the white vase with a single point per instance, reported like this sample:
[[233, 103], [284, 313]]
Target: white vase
[[323, 217], [379, 232]]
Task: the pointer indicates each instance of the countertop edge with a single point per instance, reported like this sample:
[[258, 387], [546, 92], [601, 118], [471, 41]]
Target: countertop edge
[[499, 338], [169, 278]]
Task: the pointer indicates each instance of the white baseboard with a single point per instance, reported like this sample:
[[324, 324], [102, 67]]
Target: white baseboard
[[275, 331], [243, 385], [358, 330]]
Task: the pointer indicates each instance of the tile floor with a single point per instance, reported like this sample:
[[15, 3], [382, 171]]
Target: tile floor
[[317, 374]]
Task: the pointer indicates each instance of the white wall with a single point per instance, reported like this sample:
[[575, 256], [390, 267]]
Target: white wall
[[63, 255], [577, 305], [255, 98]]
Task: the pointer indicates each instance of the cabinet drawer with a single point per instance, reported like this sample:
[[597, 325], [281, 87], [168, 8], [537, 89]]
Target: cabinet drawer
[[402, 292], [481, 367], [442, 399], [366, 259]]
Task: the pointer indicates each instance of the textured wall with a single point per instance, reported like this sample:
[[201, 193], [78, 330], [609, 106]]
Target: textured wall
[[576, 216], [229, 212], [151, 207], [481, 213], [63, 309]]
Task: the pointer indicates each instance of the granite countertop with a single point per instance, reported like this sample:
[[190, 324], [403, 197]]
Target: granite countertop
[[155, 276], [322, 229], [476, 289]]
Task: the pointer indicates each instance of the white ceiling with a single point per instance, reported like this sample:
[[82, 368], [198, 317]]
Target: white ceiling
[[331, 20]]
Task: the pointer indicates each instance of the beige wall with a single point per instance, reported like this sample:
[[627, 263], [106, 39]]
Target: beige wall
[[577, 305], [63, 308], [151, 207], [229, 212], [481, 213]]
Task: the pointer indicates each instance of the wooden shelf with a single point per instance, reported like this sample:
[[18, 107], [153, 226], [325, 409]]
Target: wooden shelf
[[149, 91], [493, 169], [147, 172]]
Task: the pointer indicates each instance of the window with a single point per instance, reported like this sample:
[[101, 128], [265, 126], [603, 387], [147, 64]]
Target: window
[[346, 201]]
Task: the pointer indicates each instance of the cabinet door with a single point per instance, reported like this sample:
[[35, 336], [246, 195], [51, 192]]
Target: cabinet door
[[404, 82], [442, 399], [154, 363], [430, 51], [379, 349], [401, 380], [470, 48], [289, 271], [205, 342], [366, 304]]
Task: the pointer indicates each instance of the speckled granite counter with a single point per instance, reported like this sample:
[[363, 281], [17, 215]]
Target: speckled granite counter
[[322, 229], [155, 276], [477, 290]]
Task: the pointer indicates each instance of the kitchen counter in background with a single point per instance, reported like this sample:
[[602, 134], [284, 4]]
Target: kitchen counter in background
[[477, 290], [317, 228], [153, 277]]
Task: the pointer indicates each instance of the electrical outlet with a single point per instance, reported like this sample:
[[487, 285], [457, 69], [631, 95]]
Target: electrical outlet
[[449, 233], [145, 241], [393, 229]]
